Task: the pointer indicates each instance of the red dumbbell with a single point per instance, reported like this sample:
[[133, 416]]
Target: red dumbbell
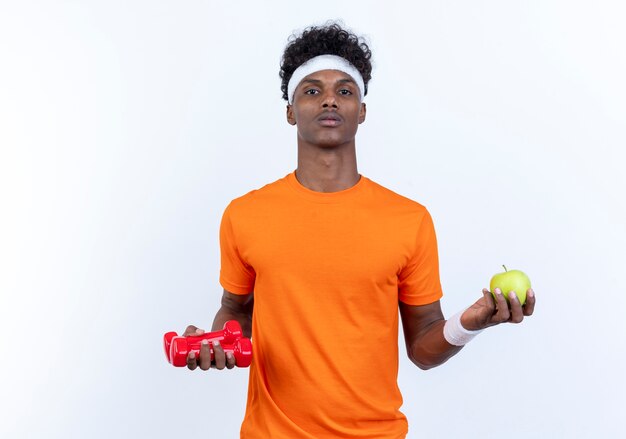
[[177, 348], [229, 334], [182, 346]]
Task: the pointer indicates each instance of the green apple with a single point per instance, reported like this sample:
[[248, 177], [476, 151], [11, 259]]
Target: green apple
[[511, 280]]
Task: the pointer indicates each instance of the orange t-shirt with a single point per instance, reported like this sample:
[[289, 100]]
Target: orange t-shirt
[[327, 271]]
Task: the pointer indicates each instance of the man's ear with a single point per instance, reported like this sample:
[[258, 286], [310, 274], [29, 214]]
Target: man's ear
[[362, 112], [291, 119]]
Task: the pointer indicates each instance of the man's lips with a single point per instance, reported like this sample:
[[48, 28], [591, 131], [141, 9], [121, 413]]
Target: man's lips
[[330, 119]]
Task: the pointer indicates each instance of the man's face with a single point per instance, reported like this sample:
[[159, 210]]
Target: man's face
[[326, 109]]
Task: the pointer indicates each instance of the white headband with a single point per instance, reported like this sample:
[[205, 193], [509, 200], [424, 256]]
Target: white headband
[[324, 62]]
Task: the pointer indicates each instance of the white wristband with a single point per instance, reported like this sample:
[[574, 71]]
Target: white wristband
[[455, 333]]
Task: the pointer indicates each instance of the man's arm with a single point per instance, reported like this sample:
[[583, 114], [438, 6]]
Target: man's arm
[[237, 307], [423, 334], [423, 325]]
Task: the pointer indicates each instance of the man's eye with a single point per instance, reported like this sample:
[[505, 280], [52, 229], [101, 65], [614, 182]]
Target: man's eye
[[311, 91], [345, 92]]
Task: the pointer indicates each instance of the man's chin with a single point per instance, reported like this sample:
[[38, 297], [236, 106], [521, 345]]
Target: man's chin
[[332, 142], [328, 140]]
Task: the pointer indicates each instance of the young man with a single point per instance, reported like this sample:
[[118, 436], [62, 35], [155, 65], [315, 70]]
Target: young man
[[325, 257]]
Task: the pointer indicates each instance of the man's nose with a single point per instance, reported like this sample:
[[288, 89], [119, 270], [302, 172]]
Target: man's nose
[[329, 100]]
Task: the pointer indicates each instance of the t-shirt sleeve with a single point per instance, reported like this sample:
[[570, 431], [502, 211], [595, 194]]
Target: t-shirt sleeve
[[418, 281], [236, 276]]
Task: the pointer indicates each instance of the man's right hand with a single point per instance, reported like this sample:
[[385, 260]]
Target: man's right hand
[[222, 359]]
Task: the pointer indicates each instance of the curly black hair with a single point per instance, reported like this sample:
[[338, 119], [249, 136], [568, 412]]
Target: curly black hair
[[330, 39]]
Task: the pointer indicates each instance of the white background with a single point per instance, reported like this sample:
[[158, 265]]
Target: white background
[[127, 126]]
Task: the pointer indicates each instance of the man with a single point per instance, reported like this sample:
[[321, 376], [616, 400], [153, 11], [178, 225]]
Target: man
[[325, 257]]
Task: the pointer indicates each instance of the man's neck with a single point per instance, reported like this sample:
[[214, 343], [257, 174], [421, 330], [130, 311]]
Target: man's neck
[[327, 169]]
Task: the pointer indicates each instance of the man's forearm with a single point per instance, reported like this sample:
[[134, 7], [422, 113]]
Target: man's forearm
[[431, 349], [239, 310]]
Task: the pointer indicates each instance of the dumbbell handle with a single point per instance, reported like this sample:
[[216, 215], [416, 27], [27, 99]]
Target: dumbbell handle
[[230, 333], [182, 346], [178, 347]]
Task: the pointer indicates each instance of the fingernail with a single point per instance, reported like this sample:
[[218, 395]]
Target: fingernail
[[205, 342], [531, 293], [192, 354], [229, 355], [512, 295], [216, 343], [498, 291]]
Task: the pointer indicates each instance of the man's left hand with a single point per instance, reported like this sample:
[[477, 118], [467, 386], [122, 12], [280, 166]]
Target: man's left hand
[[486, 311]]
